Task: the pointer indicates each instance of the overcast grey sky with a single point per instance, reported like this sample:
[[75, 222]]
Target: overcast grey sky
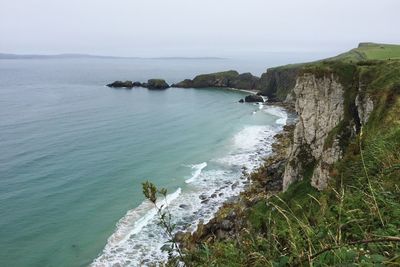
[[193, 27]]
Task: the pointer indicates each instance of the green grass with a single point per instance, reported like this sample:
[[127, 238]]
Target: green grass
[[287, 229], [370, 51], [307, 227]]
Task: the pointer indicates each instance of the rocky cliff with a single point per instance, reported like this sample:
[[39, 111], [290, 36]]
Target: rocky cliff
[[276, 83], [332, 103], [338, 167], [319, 105], [225, 79]]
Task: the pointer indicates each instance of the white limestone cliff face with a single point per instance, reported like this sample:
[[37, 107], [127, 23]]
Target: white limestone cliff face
[[364, 104], [319, 105]]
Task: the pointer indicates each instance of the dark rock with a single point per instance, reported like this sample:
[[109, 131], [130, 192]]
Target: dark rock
[[253, 98], [157, 84], [203, 197], [235, 185], [184, 84], [214, 195], [121, 84], [137, 84], [241, 100], [244, 81], [277, 83], [183, 206], [225, 79], [226, 225], [221, 234], [231, 215]]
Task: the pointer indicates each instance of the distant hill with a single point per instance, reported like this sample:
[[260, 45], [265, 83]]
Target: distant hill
[[72, 56], [370, 51]]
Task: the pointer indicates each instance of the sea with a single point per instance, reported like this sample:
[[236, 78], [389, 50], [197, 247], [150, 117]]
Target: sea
[[74, 154]]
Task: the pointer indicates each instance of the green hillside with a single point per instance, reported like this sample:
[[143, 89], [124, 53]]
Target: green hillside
[[353, 222], [370, 51]]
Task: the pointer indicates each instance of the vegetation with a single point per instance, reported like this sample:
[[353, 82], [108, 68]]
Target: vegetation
[[370, 51], [356, 220], [152, 193]]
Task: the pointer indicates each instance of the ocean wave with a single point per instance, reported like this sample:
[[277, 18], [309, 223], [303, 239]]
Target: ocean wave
[[138, 238], [197, 168], [278, 112]]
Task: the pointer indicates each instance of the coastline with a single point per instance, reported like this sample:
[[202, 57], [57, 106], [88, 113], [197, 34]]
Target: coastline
[[227, 221], [210, 189], [254, 92]]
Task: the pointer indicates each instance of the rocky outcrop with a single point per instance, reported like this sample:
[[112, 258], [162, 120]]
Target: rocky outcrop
[[157, 84], [364, 103], [278, 83], [253, 99], [226, 79], [121, 84], [320, 107], [152, 84], [244, 81]]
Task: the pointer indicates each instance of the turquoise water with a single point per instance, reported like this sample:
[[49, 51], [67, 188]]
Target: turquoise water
[[74, 154]]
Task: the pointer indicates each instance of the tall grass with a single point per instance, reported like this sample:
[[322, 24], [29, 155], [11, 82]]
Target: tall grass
[[357, 222]]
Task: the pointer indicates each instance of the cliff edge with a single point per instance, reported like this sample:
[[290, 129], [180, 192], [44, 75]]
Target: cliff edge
[[337, 167]]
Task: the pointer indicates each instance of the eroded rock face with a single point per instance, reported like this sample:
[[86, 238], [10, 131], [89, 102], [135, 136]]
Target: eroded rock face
[[364, 104], [319, 104], [244, 81], [278, 83]]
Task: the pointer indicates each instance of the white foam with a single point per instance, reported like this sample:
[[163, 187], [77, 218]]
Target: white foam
[[250, 137], [197, 168], [278, 112], [138, 238], [131, 224]]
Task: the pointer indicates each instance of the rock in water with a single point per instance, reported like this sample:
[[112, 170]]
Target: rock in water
[[241, 101], [121, 84], [137, 84], [157, 84], [253, 98]]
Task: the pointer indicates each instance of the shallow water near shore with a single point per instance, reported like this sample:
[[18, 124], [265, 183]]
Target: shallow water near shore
[[74, 154]]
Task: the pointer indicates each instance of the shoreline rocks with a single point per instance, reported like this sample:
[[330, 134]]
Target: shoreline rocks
[[253, 99]]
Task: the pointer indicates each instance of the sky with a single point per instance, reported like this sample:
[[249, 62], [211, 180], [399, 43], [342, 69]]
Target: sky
[[193, 27]]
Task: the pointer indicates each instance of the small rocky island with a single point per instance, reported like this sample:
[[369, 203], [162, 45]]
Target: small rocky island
[[225, 79], [152, 84]]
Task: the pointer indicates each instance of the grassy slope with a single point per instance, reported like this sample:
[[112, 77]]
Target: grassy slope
[[362, 202], [370, 51], [365, 51]]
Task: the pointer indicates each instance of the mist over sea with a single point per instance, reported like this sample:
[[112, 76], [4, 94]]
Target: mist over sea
[[74, 154]]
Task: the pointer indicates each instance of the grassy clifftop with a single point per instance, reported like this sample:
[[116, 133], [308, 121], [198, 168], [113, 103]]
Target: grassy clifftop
[[370, 51], [355, 221], [277, 82]]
